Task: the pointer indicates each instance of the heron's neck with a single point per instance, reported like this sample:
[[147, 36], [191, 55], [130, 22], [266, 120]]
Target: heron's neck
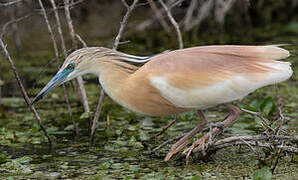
[[113, 76]]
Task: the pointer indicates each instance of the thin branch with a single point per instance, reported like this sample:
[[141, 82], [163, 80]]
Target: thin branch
[[10, 3], [58, 60], [158, 15], [81, 40], [174, 23], [4, 27], [202, 13], [25, 95], [166, 127], [227, 142], [71, 5], [167, 142], [123, 24], [250, 146], [259, 114], [116, 43], [81, 87], [125, 4], [249, 141], [277, 157], [289, 149], [70, 25], [279, 106], [59, 27], [51, 34], [66, 96], [189, 12], [96, 117], [175, 3]]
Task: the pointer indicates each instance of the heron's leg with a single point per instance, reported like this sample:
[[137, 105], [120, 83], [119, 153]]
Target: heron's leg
[[185, 139], [234, 114]]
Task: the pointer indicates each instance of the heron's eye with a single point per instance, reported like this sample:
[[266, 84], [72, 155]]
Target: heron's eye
[[70, 66]]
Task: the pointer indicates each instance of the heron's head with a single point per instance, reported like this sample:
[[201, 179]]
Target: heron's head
[[93, 60], [78, 63]]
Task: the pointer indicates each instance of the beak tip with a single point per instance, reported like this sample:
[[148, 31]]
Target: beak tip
[[36, 99]]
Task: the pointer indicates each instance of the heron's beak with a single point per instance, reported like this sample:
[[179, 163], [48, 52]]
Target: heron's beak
[[56, 81]]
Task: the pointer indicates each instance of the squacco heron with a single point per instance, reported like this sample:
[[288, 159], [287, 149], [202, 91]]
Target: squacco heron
[[178, 81]]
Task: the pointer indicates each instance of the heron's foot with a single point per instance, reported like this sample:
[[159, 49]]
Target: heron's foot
[[201, 144], [184, 141], [179, 145]]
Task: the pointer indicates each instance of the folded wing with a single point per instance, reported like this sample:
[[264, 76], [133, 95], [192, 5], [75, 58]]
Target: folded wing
[[205, 76]]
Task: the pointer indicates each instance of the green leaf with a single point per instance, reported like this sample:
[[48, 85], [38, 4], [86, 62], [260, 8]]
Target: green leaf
[[262, 174], [143, 136], [197, 177], [254, 105], [2, 158], [69, 127], [86, 115], [268, 106]]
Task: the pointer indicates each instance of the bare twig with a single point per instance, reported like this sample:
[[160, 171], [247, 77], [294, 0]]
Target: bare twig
[[158, 15], [221, 9], [281, 120], [96, 117], [4, 27], [25, 95], [81, 40], [255, 138], [279, 106], [250, 146], [289, 149], [123, 23], [124, 42], [58, 61], [175, 3], [125, 4], [166, 127], [14, 29], [259, 114], [174, 23], [71, 5], [116, 43], [81, 87], [70, 25], [234, 140], [190, 11], [59, 27], [10, 3], [277, 157], [202, 13], [167, 142]]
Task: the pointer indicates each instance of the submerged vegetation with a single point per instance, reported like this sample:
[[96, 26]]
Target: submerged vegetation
[[124, 142]]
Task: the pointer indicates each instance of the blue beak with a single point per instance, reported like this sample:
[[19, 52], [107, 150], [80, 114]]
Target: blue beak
[[56, 81]]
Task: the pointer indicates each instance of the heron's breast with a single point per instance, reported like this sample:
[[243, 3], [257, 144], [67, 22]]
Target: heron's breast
[[140, 97]]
